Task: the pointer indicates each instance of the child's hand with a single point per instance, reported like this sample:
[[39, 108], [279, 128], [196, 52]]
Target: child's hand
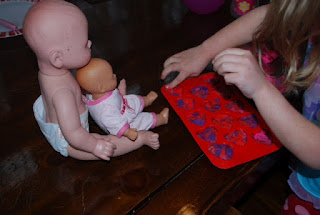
[[104, 148], [190, 62], [239, 67]]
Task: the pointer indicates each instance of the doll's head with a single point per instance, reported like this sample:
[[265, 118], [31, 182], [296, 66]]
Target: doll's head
[[57, 32], [97, 77]]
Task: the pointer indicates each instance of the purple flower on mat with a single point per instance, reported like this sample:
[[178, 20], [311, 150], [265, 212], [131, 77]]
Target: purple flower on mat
[[221, 151], [197, 118], [201, 92], [208, 134]]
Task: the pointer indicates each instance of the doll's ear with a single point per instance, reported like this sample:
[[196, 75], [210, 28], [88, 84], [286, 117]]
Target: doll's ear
[[56, 58]]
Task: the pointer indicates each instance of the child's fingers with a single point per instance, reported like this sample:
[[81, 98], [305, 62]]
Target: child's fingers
[[227, 67], [227, 63], [235, 55], [181, 77], [170, 68], [170, 60], [231, 51]]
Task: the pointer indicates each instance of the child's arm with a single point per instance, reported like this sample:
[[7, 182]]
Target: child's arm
[[69, 121], [193, 61], [296, 133]]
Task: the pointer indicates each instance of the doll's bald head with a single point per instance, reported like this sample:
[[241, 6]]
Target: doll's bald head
[[52, 25], [97, 77]]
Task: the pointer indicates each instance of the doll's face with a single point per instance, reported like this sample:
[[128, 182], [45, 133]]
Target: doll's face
[[108, 81], [77, 47], [97, 77]]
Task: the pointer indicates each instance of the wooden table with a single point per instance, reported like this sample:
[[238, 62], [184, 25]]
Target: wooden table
[[135, 37]]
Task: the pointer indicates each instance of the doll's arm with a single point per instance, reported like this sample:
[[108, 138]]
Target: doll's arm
[[112, 120], [122, 87], [131, 133], [69, 121]]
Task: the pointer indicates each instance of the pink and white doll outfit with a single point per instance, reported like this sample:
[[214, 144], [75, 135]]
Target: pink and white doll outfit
[[52, 131], [115, 113]]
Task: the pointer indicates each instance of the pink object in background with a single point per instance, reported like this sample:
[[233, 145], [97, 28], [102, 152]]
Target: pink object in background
[[204, 6], [241, 7], [8, 25]]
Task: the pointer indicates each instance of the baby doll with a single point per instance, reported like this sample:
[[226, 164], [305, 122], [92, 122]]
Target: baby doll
[[110, 107], [57, 32]]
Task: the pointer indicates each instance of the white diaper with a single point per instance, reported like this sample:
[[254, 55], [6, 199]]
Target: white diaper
[[52, 131]]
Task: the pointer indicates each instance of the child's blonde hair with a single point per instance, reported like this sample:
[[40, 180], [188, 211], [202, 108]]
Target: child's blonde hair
[[289, 25]]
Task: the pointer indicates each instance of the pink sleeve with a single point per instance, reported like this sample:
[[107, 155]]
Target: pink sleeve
[[122, 130]]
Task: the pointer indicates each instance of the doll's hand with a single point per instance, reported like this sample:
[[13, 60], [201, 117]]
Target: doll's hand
[[104, 148], [131, 133], [122, 87], [190, 62], [239, 67]]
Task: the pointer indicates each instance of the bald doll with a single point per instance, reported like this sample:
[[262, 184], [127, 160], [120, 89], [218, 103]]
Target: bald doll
[[111, 108], [57, 32]]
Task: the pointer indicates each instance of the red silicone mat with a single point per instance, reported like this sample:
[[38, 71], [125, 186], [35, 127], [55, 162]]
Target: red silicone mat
[[228, 129]]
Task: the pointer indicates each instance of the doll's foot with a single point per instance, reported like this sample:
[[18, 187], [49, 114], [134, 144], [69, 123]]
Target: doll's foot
[[149, 138], [163, 117], [122, 87], [149, 99]]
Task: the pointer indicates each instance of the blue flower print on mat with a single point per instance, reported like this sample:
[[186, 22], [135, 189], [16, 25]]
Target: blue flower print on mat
[[201, 92], [212, 105], [197, 118], [221, 151], [177, 91], [209, 134], [185, 104], [236, 106], [250, 120], [237, 137], [224, 121]]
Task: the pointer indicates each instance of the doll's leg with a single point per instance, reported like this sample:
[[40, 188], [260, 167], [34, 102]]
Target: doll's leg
[[125, 145], [163, 117], [81, 155], [149, 99]]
